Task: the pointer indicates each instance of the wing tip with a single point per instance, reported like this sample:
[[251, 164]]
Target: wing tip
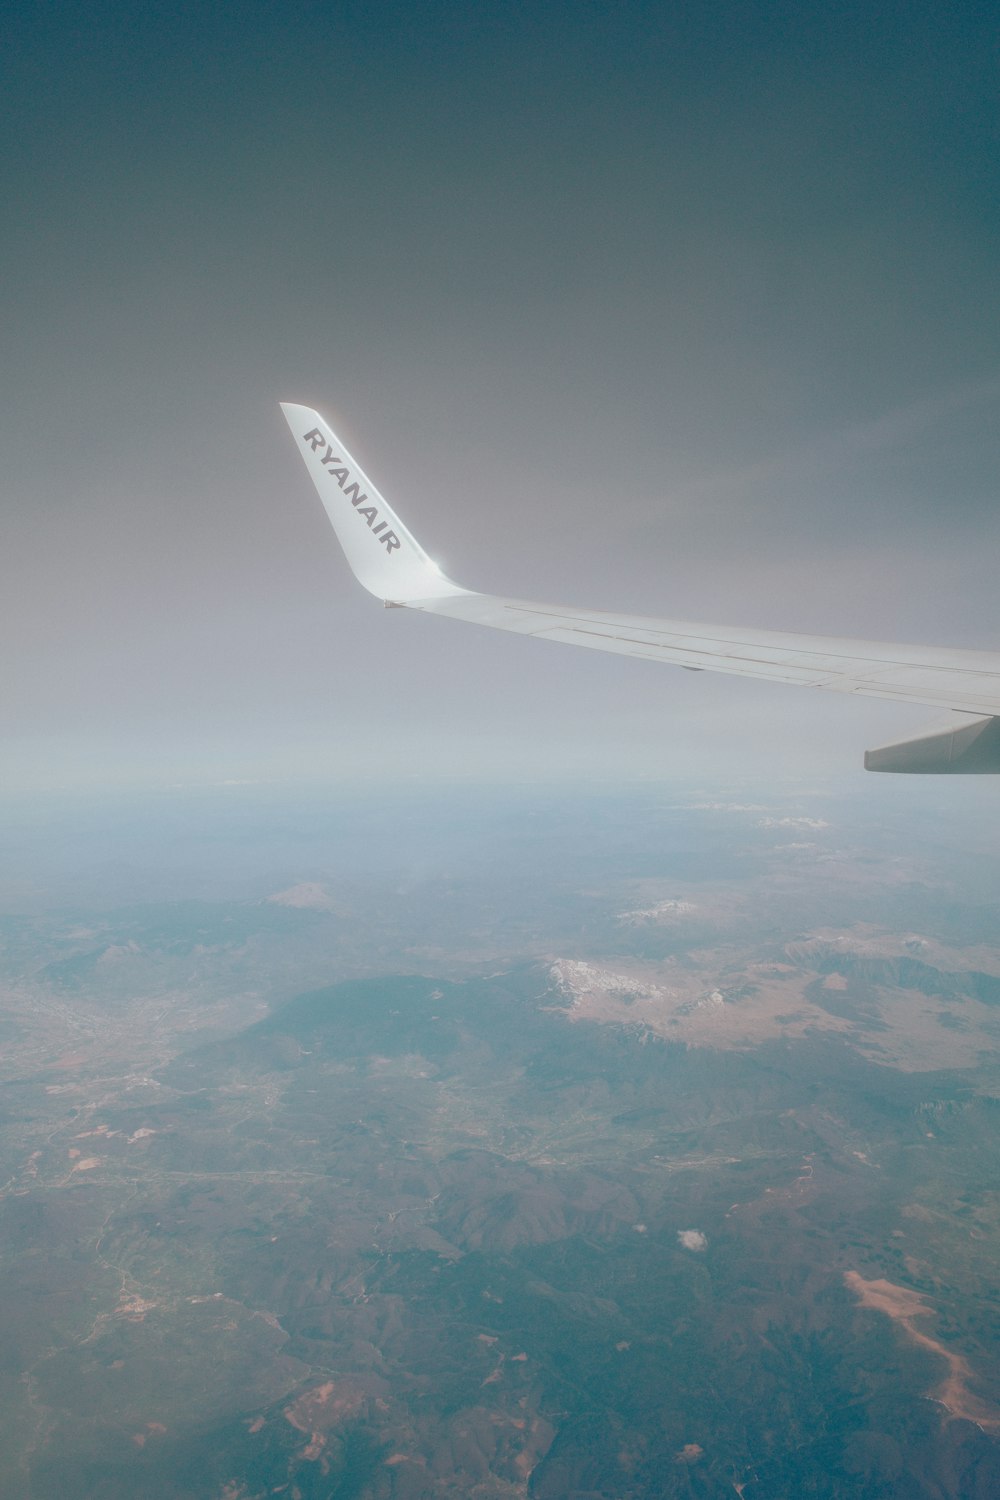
[[383, 554]]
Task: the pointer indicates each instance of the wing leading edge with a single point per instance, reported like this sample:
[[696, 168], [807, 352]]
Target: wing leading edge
[[392, 565]]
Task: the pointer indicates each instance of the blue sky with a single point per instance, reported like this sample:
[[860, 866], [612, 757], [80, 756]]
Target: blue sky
[[679, 309]]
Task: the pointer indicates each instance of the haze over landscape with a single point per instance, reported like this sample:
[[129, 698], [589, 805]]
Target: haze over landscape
[[435, 1065], [522, 1142]]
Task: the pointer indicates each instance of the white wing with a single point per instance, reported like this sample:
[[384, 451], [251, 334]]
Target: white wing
[[392, 565]]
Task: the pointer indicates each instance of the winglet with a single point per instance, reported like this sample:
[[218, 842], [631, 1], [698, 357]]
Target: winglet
[[384, 557]]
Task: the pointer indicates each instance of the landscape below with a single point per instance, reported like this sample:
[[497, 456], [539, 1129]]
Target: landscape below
[[565, 1146]]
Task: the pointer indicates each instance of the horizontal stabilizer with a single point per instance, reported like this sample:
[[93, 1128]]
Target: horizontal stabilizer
[[967, 747]]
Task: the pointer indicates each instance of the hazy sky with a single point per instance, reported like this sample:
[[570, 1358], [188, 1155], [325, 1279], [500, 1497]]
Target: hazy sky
[[678, 309]]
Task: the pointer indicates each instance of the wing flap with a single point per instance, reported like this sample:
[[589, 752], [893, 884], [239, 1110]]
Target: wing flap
[[965, 747]]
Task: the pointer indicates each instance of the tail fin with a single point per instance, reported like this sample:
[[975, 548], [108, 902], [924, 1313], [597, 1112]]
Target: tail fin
[[384, 556]]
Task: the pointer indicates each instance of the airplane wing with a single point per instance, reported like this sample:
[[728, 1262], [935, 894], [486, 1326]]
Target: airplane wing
[[388, 560]]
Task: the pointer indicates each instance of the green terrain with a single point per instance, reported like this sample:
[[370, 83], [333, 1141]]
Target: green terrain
[[338, 1187]]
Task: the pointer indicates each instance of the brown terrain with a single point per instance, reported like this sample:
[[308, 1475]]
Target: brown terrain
[[904, 1307]]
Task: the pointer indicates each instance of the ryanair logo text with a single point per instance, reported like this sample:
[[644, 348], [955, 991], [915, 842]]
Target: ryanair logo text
[[337, 469]]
